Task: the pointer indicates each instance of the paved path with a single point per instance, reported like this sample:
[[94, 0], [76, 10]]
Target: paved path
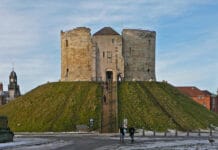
[[105, 142], [109, 108]]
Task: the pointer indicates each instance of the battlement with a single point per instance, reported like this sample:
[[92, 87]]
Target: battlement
[[78, 29]]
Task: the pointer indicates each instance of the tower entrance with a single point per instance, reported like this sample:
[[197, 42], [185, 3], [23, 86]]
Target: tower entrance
[[109, 76]]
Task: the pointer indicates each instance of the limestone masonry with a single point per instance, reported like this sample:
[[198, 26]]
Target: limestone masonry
[[107, 55]]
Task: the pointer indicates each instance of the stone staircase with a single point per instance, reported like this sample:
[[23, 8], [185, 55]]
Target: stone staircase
[[109, 108]]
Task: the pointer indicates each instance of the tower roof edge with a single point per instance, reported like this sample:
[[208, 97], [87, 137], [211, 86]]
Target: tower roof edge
[[106, 31]]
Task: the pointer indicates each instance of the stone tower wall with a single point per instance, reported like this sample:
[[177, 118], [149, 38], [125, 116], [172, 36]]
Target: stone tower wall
[[109, 55], [139, 54], [77, 55], [88, 58]]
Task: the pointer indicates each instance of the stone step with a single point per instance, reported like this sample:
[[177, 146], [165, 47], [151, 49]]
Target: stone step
[[109, 109]]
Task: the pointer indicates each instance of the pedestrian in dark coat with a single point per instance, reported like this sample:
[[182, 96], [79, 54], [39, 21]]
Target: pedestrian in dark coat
[[122, 134], [131, 134]]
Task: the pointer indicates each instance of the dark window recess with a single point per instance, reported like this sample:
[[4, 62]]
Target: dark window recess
[[149, 42], [103, 54], [148, 70], [109, 76], [66, 43], [130, 51], [67, 71]]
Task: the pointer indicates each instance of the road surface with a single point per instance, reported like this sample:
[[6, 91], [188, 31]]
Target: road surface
[[70, 141]]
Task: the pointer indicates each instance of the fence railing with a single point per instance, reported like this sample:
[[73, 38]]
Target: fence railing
[[175, 133]]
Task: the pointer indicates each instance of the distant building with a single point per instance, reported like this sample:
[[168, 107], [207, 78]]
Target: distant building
[[2, 95], [13, 89], [213, 101], [197, 95]]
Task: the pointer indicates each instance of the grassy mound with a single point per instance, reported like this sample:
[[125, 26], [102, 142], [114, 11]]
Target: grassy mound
[[55, 107], [160, 106], [63, 105]]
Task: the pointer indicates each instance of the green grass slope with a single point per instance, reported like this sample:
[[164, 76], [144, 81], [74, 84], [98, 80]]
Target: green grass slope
[[61, 106], [55, 107], [160, 106]]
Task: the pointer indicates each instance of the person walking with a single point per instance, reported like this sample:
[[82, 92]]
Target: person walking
[[131, 133], [122, 134]]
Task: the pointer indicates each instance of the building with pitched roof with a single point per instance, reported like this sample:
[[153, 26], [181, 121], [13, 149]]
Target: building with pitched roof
[[199, 96]]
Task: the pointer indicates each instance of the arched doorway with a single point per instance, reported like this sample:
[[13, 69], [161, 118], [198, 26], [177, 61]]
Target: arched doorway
[[109, 76]]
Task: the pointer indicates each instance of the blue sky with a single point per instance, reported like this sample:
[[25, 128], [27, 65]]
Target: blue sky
[[186, 47]]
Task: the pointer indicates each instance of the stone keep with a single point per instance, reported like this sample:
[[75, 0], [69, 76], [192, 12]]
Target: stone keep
[[107, 55]]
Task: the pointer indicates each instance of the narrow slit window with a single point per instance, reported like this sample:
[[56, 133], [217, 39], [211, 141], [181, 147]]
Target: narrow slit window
[[67, 71], [109, 57], [66, 43]]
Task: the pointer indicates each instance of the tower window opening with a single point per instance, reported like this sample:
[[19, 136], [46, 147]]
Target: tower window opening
[[109, 57], [66, 43], [148, 70], [130, 51], [149, 42], [67, 71], [103, 54]]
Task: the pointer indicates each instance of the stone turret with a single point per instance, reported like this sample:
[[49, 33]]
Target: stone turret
[[77, 61], [139, 54], [109, 60]]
